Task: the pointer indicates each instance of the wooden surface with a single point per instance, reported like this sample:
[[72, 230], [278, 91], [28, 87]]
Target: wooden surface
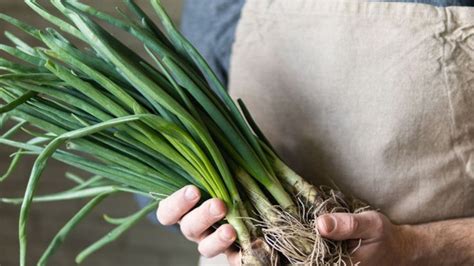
[[145, 244]]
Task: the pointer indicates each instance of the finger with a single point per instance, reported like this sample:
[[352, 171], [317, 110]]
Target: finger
[[196, 222], [234, 256], [344, 226], [218, 242], [178, 204]]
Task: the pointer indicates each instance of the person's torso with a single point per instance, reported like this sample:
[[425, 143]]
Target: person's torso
[[210, 26], [377, 97]]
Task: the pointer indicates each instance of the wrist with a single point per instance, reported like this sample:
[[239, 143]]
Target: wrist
[[414, 245]]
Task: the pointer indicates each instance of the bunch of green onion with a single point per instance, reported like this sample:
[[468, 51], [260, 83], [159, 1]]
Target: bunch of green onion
[[146, 126]]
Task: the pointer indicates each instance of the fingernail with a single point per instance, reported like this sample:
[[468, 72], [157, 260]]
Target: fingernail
[[326, 224], [190, 193], [214, 209], [226, 234]]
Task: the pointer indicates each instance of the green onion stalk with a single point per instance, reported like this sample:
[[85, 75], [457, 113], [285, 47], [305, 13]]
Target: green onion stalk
[[148, 126]]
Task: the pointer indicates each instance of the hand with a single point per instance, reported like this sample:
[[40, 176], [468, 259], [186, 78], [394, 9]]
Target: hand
[[449, 242], [196, 223], [382, 243]]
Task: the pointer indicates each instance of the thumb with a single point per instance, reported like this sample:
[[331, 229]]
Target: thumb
[[345, 226]]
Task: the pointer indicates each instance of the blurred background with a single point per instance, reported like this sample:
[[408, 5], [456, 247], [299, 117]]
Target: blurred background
[[145, 244]]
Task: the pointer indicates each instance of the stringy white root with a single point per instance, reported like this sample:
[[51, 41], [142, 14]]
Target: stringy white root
[[297, 239]]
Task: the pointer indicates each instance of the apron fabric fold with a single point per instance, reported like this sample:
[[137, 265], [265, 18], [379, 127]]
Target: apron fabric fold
[[375, 98]]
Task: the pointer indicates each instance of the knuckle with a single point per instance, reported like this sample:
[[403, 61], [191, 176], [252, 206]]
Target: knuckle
[[188, 231], [352, 224], [169, 215], [164, 221], [204, 216], [210, 248], [178, 210], [378, 224], [203, 250], [172, 198], [195, 223]]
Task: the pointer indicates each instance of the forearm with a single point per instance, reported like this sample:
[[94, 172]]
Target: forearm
[[449, 242]]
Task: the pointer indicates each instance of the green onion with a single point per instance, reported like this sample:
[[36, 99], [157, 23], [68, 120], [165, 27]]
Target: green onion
[[147, 129]]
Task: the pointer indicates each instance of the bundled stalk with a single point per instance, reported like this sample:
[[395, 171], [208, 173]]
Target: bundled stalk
[[150, 129]]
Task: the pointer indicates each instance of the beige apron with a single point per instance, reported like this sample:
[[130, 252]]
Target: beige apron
[[377, 97]]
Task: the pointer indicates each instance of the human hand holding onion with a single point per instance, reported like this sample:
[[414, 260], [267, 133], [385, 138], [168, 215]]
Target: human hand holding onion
[[373, 237], [196, 222]]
